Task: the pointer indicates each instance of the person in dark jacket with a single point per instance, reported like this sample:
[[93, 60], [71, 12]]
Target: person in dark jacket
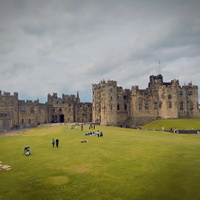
[[57, 142]]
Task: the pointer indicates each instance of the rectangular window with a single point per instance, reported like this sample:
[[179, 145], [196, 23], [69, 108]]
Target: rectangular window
[[155, 105], [140, 105], [125, 107], [169, 104], [191, 106], [181, 105], [3, 114], [22, 108], [146, 105], [160, 104], [169, 96]]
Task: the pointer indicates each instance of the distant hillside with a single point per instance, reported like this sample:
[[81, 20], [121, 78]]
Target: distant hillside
[[182, 124]]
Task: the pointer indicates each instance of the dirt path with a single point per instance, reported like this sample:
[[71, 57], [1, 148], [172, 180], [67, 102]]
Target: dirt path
[[17, 132], [12, 133]]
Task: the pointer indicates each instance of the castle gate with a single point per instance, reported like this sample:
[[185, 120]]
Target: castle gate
[[62, 118]]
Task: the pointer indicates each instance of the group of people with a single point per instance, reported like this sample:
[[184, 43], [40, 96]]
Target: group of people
[[56, 141], [98, 133], [91, 126]]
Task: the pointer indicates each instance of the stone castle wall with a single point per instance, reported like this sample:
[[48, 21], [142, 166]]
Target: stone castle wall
[[15, 113], [166, 100], [112, 105], [8, 110]]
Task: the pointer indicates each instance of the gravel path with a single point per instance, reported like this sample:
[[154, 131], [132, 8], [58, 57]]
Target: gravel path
[[13, 132]]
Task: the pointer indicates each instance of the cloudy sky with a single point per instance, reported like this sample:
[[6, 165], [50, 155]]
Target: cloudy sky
[[65, 46]]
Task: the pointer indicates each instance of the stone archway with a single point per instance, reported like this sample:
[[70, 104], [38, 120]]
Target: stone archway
[[62, 118]]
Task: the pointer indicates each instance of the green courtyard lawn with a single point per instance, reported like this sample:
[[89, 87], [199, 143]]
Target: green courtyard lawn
[[124, 164], [181, 124]]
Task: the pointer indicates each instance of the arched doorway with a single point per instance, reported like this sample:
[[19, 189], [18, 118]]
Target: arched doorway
[[62, 118]]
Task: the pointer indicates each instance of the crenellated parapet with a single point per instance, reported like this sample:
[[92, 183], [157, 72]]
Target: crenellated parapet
[[8, 94], [54, 99]]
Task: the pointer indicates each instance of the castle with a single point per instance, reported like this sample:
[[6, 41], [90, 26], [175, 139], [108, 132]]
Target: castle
[[112, 105], [15, 113], [115, 106]]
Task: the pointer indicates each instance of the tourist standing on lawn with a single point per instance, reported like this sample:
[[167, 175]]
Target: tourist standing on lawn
[[53, 142], [57, 142]]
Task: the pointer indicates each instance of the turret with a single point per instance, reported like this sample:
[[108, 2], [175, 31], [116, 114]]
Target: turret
[[156, 80]]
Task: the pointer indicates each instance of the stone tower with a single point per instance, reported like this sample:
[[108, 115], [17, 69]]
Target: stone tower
[[113, 105], [105, 102], [110, 104], [8, 110]]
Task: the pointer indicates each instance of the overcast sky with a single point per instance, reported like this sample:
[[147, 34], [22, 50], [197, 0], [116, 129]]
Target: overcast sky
[[65, 46]]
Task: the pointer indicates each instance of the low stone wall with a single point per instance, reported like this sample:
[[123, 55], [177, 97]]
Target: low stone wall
[[191, 131]]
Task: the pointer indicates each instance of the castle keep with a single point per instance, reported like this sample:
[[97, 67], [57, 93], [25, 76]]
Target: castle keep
[[112, 105], [115, 106]]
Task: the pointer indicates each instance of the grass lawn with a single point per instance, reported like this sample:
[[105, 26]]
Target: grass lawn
[[182, 124], [124, 164]]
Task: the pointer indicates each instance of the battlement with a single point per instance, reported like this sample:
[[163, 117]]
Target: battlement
[[156, 80], [108, 83], [175, 82], [65, 98], [190, 86], [28, 101], [95, 86], [135, 88], [72, 96], [112, 83], [104, 83], [55, 95], [8, 94]]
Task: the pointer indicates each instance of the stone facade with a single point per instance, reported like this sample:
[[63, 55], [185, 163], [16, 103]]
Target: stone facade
[[112, 105], [15, 113], [8, 110], [115, 106], [69, 109]]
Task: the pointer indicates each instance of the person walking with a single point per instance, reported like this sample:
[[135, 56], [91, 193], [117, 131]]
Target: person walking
[[53, 142], [57, 142]]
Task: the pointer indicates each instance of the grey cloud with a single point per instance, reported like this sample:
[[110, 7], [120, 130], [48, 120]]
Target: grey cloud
[[64, 46]]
